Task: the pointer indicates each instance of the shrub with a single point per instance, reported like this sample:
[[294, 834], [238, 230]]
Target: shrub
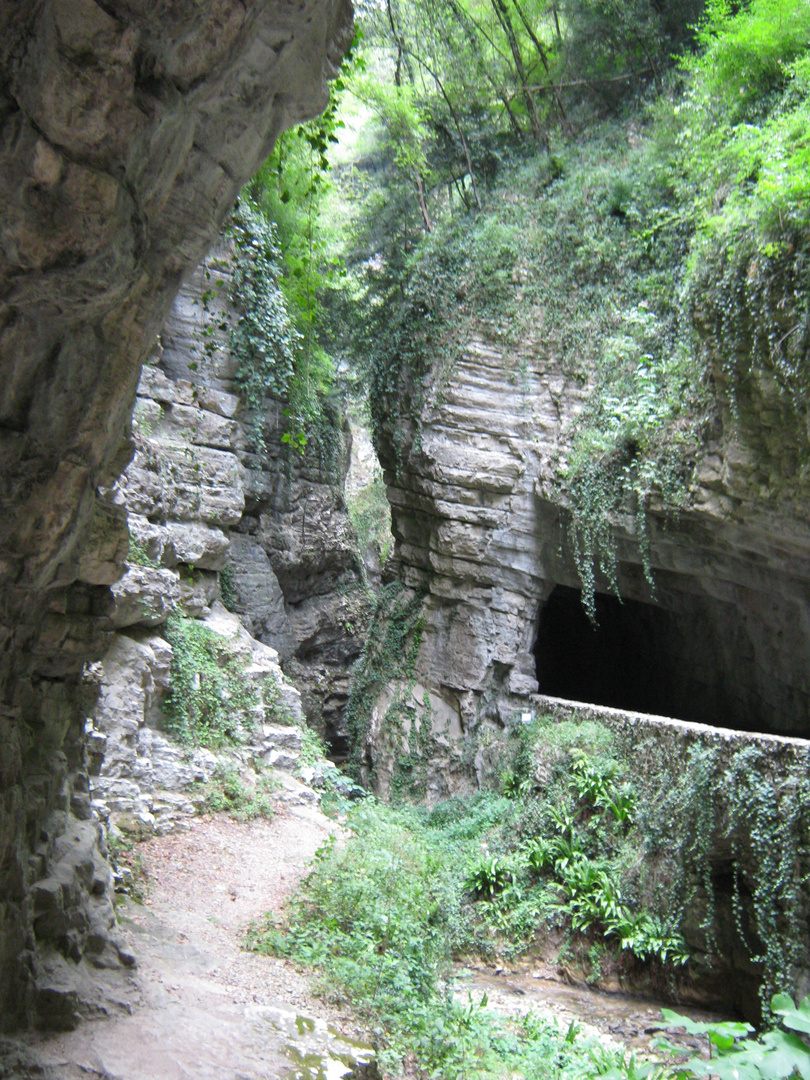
[[210, 702]]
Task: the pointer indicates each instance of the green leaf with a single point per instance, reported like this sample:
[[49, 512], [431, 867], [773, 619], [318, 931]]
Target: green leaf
[[786, 1055], [793, 1018]]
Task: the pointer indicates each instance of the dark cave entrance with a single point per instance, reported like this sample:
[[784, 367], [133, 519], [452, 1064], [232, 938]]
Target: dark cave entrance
[[637, 657]]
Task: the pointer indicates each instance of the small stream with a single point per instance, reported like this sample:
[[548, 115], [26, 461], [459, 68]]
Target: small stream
[[621, 1017], [318, 1051]]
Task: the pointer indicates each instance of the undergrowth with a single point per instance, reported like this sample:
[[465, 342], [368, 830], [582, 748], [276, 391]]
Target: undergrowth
[[586, 851], [383, 916], [228, 791], [211, 702]]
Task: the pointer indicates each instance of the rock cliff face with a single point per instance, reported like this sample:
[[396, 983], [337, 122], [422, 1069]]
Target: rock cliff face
[[182, 493], [481, 528], [483, 535], [292, 567], [128, 129]]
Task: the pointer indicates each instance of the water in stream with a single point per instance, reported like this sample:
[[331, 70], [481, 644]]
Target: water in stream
[[618, 1017]]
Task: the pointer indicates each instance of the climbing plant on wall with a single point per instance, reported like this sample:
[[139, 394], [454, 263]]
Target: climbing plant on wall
[[264, 340], [388, 657], [759, 807], [282, 266], [210, 703]]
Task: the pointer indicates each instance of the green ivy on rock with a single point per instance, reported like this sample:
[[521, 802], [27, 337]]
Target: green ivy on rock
[[210, 702], [264, 340], [389, 655]]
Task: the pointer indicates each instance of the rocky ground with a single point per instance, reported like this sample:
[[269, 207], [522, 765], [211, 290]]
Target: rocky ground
[[198, 1005]]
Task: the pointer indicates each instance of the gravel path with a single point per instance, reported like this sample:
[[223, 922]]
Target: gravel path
[[199, 1006]]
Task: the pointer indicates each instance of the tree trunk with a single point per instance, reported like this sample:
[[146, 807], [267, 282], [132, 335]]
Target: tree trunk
[[395, 34], [471, 27], [541, 52], [502, 13], [456, 121], [420, 190]]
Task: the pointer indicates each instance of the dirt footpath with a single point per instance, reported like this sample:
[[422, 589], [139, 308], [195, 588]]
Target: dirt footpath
[[200, 1006]]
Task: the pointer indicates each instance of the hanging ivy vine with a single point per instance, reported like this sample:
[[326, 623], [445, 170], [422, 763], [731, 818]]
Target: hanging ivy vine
[[389, 655], [758, 806], [264, 339]]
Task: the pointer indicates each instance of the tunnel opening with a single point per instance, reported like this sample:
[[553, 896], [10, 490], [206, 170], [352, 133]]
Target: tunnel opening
[[636, 656]]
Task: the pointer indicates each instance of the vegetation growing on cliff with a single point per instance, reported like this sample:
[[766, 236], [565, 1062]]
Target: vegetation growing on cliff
[[281, 269], [516, 164], [387, 661], [516, 175], [740, 162], [546, 164], [211, 702]]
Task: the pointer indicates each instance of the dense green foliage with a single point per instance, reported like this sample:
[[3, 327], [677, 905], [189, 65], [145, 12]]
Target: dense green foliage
[[281, 377], [264, 340], [740, 160], [281, 269], [684, 209], [385, 914], [466, 77], [573, 848], [381, 916], [735, 1055], [211, 702]]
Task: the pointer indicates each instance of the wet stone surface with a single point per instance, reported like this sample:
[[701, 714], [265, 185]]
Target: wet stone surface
[[318, 1050]]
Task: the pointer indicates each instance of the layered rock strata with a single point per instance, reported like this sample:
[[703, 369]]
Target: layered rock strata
[[128, 129], [183, 493], [481, 527], [483, 534], [292, 567]]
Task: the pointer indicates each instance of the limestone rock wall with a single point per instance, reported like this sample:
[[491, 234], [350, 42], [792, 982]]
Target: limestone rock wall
[[483, 535], [127, 130], [481, 528], [294, 573], [209, 520], [144, 781]]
